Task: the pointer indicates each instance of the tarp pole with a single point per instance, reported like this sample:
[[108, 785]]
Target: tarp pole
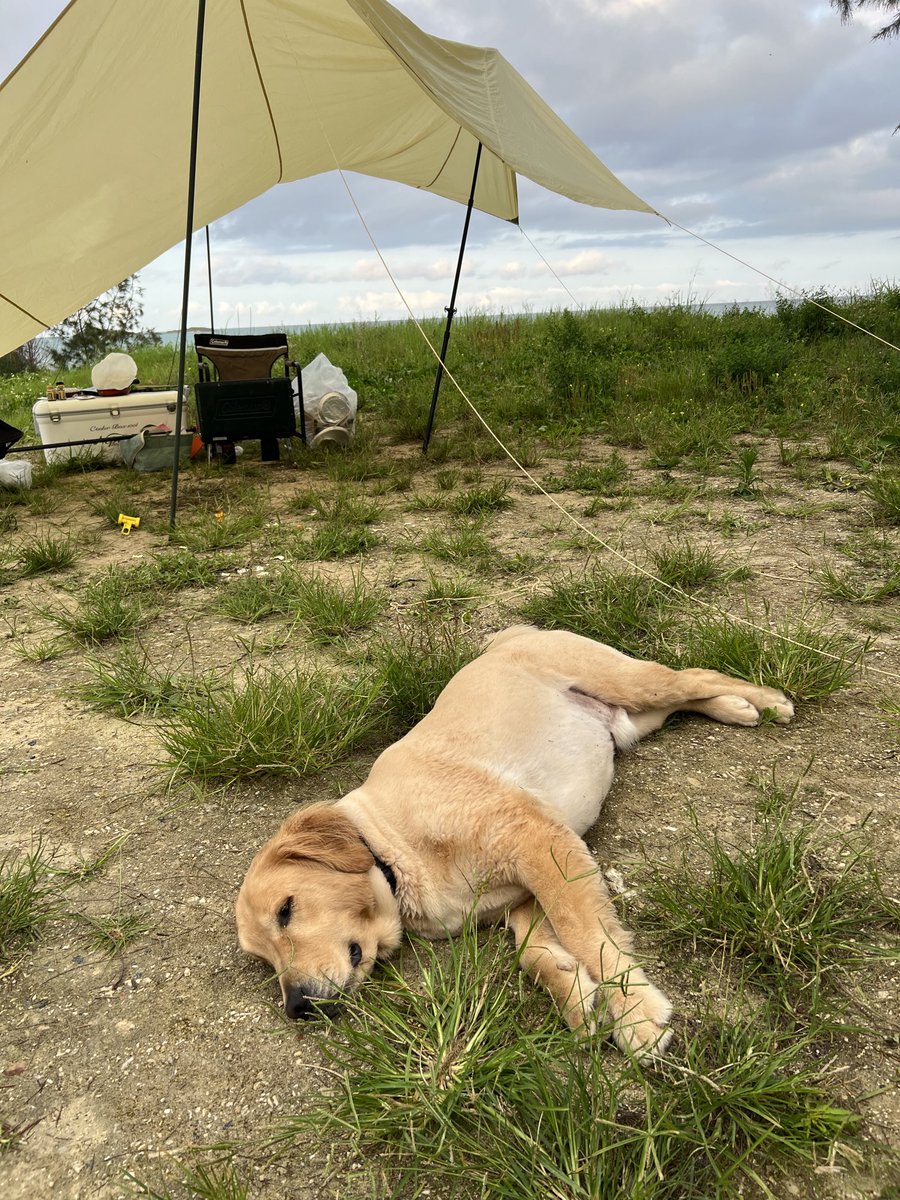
[[451, 311], [212, 328], [188, 237]]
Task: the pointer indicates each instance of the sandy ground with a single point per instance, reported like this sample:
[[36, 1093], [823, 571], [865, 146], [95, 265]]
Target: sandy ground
[[109, 1065]]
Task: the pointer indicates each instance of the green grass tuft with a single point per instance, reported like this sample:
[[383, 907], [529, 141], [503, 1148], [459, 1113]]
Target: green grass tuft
[[266, 722], [476, 501], [808, 662], [412, 662], [131, 685], [28, 899], [104, 610], [42, 555], [884, 491], [792, 923]]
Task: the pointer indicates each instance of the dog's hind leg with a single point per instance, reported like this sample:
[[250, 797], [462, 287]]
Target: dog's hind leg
[[646, 688], [557, 868]]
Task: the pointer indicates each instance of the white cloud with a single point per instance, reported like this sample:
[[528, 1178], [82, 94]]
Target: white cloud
[[765, 127]]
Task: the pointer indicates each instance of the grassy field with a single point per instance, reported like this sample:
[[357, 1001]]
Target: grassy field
[[713, 491]]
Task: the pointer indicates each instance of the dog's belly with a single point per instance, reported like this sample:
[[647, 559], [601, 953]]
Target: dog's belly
[[565, 758]]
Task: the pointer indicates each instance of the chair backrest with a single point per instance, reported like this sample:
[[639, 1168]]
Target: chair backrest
[[241, 356]]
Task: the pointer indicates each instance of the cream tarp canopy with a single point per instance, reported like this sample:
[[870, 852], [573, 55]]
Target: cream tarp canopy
[[95, 129]]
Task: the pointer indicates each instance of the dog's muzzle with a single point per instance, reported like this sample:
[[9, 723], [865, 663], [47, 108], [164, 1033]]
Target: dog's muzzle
[[302, 1005]]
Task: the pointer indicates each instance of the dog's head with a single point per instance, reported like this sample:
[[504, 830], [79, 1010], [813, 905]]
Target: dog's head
[[310, 908]]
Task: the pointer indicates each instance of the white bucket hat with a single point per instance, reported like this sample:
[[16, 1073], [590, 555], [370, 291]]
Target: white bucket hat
[[116, 373]]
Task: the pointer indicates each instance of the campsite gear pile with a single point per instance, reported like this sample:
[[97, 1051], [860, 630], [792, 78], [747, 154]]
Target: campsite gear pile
[[153, 449], [329, 403], [85, 417]]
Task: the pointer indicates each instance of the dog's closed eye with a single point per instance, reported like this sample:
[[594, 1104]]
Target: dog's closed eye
[[284, 913]]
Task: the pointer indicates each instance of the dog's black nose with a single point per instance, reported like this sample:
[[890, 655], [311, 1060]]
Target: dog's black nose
[[300, 1006]]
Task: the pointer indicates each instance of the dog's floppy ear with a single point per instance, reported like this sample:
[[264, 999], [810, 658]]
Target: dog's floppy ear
[[323, 835]]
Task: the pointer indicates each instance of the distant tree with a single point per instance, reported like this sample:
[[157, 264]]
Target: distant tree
[[111, 322], [33, 356], [846, 9]]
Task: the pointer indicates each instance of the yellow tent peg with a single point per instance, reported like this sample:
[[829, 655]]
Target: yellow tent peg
[[128, 523]]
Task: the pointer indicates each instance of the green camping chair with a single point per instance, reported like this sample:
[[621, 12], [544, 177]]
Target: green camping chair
[[239, 397]]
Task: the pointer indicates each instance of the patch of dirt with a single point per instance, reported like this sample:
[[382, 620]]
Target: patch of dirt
[[110, 1063]]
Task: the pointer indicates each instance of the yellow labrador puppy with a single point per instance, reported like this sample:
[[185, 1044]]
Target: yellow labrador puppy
[[481, 806]]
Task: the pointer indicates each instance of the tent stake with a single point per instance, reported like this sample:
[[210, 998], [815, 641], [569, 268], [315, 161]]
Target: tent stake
[[451, 311], [188, 237]]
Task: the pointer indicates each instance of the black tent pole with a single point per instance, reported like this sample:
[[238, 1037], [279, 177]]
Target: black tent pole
[[451, 311], [212, 328], [192, 178]]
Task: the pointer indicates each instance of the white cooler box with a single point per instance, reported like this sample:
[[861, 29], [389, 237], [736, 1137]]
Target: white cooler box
[[86, 415]]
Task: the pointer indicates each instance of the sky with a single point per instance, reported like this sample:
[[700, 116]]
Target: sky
[[763, 127]]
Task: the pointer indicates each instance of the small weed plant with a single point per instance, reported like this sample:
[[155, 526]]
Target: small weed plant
[[113, 933], [747, 480]]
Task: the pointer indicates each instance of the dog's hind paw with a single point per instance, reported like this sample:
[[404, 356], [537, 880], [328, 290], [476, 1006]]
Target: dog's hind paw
[[771, 703], [741, 710]]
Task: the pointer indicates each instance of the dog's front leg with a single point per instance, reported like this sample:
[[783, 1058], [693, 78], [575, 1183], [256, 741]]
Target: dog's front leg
[[557, 868], [551, 965]]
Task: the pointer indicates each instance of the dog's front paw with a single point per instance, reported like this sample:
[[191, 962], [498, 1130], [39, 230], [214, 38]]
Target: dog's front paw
[[638, 1013]]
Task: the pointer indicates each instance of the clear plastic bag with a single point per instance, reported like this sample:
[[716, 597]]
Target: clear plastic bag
[[329, 402], [15, 473]]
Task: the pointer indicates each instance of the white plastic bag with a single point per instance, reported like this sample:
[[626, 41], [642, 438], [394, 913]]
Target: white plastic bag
[[328, 399], [15, 472]]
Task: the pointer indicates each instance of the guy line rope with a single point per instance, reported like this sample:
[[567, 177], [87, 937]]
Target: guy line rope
[[694, 600], [590, 533]]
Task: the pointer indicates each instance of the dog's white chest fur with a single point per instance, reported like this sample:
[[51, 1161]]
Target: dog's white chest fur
[[552, 754]]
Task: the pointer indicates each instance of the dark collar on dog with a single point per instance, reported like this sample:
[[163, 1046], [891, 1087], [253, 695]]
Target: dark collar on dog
[[382, 866]]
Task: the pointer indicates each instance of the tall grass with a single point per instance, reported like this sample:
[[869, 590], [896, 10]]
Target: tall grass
[[268, 721], [674, 381], [453, 1082]]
